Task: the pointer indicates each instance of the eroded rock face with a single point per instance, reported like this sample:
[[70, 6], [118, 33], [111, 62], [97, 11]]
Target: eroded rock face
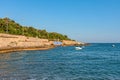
[[15, 42], [7, 41], [69, 42]]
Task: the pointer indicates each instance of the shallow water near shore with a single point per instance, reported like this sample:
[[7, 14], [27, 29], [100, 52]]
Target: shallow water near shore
[[93, 62]]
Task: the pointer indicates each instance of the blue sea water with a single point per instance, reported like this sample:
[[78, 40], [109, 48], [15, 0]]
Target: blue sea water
[[93, 62]]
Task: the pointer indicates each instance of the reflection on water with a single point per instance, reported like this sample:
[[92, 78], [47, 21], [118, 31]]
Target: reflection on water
[[94, 62], [9, 63]]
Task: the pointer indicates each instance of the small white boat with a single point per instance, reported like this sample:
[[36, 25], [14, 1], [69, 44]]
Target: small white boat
[[78, 48], [113, 45]]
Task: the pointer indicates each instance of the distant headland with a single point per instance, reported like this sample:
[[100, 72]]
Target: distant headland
[[15, 37]]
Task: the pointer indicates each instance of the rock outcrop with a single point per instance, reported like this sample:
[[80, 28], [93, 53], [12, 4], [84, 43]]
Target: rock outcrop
[[10, 42]]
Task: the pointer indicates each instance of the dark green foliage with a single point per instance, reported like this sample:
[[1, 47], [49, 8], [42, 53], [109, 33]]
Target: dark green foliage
[[10, 26]]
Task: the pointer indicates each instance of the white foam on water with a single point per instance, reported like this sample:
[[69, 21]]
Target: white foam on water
[[31, 79]]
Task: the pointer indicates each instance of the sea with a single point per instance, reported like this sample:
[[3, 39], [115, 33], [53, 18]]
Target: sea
[[97, 61]]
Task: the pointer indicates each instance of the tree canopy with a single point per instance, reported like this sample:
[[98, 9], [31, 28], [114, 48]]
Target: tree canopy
[[11, 27]]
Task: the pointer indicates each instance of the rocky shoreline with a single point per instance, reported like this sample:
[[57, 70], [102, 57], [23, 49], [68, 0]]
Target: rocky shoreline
[[24, 49], [11, 43]]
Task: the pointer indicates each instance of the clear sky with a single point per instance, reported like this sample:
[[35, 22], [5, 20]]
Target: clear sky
[[82, 20]]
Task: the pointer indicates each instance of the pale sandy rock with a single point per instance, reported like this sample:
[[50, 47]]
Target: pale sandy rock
[[7, 40]]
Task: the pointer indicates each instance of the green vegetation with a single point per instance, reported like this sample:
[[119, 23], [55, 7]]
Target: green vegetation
[[11, 27]]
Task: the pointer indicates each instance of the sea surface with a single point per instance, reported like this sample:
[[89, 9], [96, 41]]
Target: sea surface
[[93, 62]]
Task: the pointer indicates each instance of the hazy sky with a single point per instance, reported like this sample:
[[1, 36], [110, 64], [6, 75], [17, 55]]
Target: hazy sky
[[82, 20]]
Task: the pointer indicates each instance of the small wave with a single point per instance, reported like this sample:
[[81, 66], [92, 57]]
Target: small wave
[[32, 79], [52, 78]]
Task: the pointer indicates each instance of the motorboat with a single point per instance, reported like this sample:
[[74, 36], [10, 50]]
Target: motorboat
[[78, 48]]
